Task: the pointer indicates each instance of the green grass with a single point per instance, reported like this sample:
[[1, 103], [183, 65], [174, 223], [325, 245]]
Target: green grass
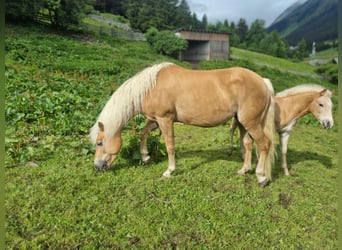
[[326, 54], [204, 204], [270, 61], [55, 87]]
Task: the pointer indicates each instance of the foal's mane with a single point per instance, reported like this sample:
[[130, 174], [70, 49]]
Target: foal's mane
[[303, 88], [126, 101]]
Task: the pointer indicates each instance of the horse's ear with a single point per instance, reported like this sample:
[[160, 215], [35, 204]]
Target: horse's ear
[[333, 92], [323, 92], [101, 126]]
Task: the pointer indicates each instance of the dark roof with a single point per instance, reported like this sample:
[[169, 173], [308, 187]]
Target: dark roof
[[202, 31]]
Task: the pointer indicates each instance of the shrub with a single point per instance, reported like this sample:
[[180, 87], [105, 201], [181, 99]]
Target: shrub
[[329, 71], [165, 42]]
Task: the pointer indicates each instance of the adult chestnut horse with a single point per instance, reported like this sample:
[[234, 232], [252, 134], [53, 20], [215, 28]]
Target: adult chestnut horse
[[166, 93], [290, 105]]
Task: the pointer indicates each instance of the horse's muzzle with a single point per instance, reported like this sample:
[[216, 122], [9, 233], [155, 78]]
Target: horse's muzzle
[[101, 165], [327, 124]]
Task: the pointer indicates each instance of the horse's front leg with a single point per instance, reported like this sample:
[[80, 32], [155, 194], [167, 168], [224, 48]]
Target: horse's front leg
[[284, 138], [150, 125], [167, 129]]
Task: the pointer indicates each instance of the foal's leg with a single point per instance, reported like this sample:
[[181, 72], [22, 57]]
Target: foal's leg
[[150, 125], [166, 127], [231, 132], [247, 141], [284, 138], [242, 132]]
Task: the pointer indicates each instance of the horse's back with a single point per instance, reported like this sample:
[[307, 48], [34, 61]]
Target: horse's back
[[205, 97]]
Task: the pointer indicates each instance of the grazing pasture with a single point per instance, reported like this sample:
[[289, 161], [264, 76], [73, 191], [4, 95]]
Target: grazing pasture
[[56, 84]]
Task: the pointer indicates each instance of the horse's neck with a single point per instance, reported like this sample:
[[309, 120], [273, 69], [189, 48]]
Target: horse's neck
[[292, 108]]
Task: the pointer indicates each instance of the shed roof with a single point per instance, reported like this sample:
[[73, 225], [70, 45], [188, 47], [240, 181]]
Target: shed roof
[[202, 31]]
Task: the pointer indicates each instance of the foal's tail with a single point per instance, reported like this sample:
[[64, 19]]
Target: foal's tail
[[269, 130]]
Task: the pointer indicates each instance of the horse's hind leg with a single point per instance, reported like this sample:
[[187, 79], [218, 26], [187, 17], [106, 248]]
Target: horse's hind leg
[[166, 127], [264, 145], [150, 125]]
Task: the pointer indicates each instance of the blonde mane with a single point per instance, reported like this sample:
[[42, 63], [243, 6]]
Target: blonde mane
[[126, 101], [300, 89]]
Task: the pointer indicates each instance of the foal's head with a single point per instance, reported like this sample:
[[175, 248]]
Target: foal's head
[[321, 108], [107, 149]]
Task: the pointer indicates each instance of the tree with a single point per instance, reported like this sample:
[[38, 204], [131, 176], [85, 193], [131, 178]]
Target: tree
[[111, 6], [273, 45], [242, 30], [61, 13], [165, 42], [161, 14], [23, 10], [255, 34], [64, 13], [183, 14], [204, 22], [301, 50], [195, 23]]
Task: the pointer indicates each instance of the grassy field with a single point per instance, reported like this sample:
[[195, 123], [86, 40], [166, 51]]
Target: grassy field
[[55, 87]]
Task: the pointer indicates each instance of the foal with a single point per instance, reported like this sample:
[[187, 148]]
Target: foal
[[290, 105]]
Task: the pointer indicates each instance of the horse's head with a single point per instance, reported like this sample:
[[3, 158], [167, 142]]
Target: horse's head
[[321, 108], [107, 149]]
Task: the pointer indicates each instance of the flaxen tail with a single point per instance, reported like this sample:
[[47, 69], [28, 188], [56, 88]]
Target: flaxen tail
[[269, 130]]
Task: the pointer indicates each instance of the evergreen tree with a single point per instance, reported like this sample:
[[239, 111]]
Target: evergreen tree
[[273, 45], [162, 14], [111, 6], [23, 10], [195, 23], [62, 13], [204, 22], [242, 30], [301, 50], [225, 27], [255, 34], [183, 16]]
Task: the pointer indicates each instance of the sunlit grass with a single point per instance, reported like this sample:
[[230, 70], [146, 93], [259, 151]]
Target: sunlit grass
[[274, 62]]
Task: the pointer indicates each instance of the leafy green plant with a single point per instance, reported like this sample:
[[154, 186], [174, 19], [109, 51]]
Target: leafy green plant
[[329, 71], [165, 42], [130, 148]]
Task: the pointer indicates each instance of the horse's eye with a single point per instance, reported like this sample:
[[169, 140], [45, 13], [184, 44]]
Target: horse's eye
[[100, 143], [321, 105]]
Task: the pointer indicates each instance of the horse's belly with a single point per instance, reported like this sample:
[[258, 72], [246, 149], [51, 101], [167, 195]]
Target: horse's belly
[[203, 118]]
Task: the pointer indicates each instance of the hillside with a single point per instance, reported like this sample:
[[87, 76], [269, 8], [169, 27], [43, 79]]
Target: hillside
[[56, 85], [313, 20]]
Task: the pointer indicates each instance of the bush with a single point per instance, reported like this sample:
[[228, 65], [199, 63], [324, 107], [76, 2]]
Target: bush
[[329, 72], [165, 42]]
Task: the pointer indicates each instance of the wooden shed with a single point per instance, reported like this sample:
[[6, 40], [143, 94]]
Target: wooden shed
[[204, 45]]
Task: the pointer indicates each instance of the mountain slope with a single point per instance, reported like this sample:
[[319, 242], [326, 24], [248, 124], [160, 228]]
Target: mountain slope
[[313, 20]]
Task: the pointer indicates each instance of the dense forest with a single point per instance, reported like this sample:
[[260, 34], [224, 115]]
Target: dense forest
[[158, 14]]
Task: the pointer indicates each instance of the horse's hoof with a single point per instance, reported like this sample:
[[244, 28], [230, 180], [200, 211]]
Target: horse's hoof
[[166, 174], [263, 183], [146, 160], [241, 172]]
